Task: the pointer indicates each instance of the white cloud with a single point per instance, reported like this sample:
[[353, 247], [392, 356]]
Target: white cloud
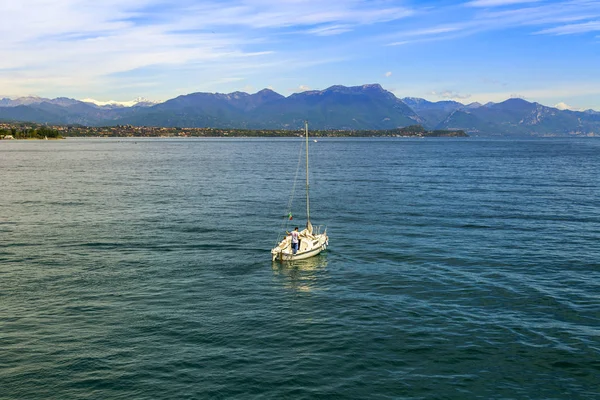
[[571, 29], [388, 74], [542, 95], [497, 3], [158, 49], [493, 19], [432, 31], [49, 46], [303, 88], [269, 14], [542, 14], [449, 94], [423, 35], [120, 103], [330, 30], [400, 43], [565, 106]]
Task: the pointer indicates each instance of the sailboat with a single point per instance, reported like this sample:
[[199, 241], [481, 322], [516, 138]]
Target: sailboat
[[311, 241]]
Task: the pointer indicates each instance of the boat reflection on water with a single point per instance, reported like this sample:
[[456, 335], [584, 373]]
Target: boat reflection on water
[[301, 275]]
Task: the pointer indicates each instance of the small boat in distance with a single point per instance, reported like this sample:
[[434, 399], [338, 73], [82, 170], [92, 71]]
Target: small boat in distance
[[311, 241]]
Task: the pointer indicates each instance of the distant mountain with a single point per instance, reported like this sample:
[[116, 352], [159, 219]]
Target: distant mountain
[[21, 101], [57, 111], [64, 110], [338, 107], [64, 101], [517, 117], [432, 112], [137, 102], [366, 107], [28, 114], [473, 105]]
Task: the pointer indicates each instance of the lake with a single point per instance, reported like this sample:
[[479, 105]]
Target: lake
[[457, 269]]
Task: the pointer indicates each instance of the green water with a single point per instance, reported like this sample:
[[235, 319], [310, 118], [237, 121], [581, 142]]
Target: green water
[[457, 269]]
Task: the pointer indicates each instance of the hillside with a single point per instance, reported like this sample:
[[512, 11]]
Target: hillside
[[366, 107]]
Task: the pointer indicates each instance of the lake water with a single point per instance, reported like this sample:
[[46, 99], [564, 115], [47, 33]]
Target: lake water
[[457, 269]]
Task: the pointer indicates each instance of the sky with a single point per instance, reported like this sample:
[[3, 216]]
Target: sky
[[547, 51]]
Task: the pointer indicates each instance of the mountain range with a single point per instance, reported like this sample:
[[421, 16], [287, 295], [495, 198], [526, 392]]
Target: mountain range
[[338, 107]]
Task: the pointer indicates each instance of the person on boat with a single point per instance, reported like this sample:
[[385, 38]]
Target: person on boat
[[295, 240]]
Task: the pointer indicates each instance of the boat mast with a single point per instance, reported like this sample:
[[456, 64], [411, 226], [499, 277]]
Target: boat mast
[[307, 200]]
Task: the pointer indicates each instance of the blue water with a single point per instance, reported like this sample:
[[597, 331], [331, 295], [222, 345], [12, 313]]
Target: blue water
[[457, 269]]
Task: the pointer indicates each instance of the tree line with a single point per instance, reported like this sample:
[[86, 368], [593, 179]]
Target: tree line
[[29, 132], [36, 131]]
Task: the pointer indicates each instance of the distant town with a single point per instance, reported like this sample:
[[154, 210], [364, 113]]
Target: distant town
[[41, 131]]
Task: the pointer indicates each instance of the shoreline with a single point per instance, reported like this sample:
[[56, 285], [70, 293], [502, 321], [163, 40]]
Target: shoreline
[[38, 132]]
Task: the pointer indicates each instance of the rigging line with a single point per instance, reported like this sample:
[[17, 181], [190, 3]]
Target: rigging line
[[291, 199]]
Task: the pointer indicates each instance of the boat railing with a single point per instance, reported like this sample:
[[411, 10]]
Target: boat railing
[[317, 229]]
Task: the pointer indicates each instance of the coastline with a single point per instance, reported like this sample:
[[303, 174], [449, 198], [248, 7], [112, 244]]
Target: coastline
[[21, 131]]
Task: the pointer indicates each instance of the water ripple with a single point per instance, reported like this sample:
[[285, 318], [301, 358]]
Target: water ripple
[[456, 269]]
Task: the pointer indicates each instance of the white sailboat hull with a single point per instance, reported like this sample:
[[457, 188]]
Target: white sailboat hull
[[310, 246]]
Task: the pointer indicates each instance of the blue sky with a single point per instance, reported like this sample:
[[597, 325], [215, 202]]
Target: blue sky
[[474, 50]]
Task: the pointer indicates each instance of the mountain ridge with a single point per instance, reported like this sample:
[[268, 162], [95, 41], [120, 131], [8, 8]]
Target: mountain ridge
[[367, 106]]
